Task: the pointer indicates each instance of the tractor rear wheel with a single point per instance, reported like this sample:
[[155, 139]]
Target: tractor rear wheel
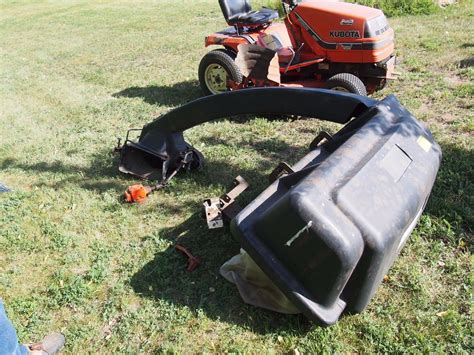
[[215, 69], [346, 82]]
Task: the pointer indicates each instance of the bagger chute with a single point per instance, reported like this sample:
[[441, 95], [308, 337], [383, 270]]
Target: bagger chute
[[328, 228]]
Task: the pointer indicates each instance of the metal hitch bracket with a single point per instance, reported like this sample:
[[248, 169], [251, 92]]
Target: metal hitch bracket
[[224, 208], [322, 136], [282, 169]]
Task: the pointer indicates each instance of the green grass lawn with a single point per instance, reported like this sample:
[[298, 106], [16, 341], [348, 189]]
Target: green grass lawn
[[75, 75]]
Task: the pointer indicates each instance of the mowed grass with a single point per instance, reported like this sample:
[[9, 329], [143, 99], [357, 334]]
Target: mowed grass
[[75, 75]]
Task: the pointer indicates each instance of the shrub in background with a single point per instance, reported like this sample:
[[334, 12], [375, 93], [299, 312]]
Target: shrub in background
[[389, 7], [402, 7]]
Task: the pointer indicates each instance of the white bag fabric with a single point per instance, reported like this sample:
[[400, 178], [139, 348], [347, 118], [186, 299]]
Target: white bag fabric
[[254, 286]]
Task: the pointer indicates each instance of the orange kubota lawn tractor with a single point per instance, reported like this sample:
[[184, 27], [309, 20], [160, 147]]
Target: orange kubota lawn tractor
[[322, 43]]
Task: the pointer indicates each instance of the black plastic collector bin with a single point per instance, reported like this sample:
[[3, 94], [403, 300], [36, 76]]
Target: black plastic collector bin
[[328, 233]]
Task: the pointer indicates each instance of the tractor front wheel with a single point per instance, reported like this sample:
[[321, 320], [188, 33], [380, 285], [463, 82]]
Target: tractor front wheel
[[346, 82], [215, 69]]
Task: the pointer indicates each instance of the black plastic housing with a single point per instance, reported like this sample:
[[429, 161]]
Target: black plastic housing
[[328, 233]]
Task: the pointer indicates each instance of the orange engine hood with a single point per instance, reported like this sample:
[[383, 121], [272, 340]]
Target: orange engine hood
[[339, 9]]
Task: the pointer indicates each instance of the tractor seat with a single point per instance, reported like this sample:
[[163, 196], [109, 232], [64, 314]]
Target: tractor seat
[[239, 13]]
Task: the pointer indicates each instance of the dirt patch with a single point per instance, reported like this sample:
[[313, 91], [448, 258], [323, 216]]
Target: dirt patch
[[447, 118], [445, 2], [453, 79]]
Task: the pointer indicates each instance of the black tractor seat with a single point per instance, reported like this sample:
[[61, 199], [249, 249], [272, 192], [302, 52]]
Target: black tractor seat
[[239, 13]]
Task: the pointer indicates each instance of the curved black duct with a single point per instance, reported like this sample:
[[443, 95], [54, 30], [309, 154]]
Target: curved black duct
[[161, 144]]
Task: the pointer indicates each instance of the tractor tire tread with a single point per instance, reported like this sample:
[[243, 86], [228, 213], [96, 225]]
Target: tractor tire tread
[[348, 81], [223, 57]]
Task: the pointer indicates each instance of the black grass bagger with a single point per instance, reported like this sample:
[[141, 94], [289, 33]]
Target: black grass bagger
[[327, 229]]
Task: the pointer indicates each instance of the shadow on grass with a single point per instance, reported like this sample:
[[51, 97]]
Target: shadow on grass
[[174, 95], [452, 197], [204, 290], [467, 63], [166, 278], [101, 175]]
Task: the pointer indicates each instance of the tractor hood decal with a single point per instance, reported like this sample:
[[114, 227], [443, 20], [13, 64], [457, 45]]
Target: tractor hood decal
[[345, 34], [348, 22]]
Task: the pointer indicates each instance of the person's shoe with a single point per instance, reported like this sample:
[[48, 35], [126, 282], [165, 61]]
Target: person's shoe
[[51, 344]]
